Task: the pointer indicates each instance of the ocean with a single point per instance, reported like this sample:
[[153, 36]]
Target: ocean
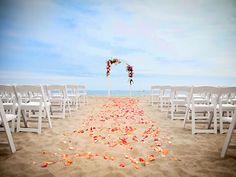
[[118, 92]]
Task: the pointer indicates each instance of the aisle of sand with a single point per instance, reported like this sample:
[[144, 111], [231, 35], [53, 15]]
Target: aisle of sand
[[188, 155]]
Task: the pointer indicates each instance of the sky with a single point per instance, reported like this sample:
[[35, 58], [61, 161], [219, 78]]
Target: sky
[[168, 42]]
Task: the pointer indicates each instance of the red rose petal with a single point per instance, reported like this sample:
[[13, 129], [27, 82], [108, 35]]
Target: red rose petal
[[122, 165]]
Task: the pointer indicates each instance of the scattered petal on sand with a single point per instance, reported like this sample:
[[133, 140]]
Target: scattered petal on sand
[[121, 126], [44, 164], [142, 161], [151, 157], [68, 162], [165, 151], [122, 165], [174, 158]]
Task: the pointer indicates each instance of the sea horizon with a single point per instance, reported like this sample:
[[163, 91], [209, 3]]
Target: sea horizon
[[118, 92]]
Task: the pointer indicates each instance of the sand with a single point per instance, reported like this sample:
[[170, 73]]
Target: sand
[[70, 150]]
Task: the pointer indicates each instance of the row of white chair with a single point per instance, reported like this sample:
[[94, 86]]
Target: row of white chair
[[24, 102], [202, 106]]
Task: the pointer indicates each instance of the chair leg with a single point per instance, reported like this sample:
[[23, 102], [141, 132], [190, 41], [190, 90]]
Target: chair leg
[[193, 122], [9, 136], [13, 125], [68, 106], [48, 116], [210, 118], [161, 105], [18, 120], [64, 109], [228, 137], [24, 117], [186, 116], [76, 103], [221, 123], [215, 121], [40, 121], [172, 111]]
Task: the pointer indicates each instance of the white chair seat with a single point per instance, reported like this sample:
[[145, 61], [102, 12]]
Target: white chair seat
[[181, 96], [8, 104], [10, 117], [202, 107], [228, 107], [33, 105], [165, 96], [179, 101], [200, 100], [227, 119]]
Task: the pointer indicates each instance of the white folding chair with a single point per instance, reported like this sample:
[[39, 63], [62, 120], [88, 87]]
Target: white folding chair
[[180, 96], [227, 143], [9, 100], [203, 108], [226, 106], [83, 94], [59, 101], [73, 95], [165, 98], [155, 95], [36, 103], [4, 119]]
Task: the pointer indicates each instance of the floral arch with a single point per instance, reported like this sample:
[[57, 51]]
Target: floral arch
[[116, 61]]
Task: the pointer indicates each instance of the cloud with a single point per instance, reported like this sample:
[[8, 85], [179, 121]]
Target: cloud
[[159, 38]]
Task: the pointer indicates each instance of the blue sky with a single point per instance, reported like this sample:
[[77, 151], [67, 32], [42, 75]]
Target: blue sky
[[178, 42]]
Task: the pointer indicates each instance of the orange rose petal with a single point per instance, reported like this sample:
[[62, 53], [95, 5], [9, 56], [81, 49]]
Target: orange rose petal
[[136, 166], [105, 157], [165, 151], [174, 158], [151, 158], [68, 162]]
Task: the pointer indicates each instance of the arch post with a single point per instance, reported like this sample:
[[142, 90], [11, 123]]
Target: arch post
[[130, 90], [108, 86]]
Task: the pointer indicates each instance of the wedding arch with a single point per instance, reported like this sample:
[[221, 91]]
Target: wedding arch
[[116, 61]]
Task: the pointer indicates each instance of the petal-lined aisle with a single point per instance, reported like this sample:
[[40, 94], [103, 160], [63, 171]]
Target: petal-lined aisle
[[117, 137], [119, 133]]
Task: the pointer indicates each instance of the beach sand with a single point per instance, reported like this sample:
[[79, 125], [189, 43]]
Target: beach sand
[[69, 150]]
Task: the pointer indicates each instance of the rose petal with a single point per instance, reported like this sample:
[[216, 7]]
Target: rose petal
[[165, 151], [141, 160], [174, 158], [44, 164], [151, 158], [68, 162], [122, 165]]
